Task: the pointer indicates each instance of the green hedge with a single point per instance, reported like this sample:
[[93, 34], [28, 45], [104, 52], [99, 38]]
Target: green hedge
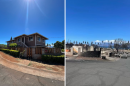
[[14, 53], [13, 45], [62, 50], [53, 58]]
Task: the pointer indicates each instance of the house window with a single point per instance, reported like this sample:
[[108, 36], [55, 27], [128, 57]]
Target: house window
[[43, 41], [30, 38], [38, 39], [19, 40]]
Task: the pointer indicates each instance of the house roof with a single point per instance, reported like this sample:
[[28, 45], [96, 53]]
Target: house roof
[[30, 35], [38, 34], [20, 36], [10, 41]]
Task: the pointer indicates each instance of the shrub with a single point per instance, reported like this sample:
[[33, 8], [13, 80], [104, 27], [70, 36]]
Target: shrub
[[14, 53], [13, 45], [53, 58], [5, 50], [11, 52], [62, 50]]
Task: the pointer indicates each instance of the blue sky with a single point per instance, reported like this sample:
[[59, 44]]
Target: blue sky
[[19, 17], [91, 20]]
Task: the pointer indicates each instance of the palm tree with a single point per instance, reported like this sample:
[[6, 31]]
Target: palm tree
[[110, 46], [47, 45], [74, 42], [91, 43], [108, 42], [128, 45], [87, 43], [83, 42], [102, 43]]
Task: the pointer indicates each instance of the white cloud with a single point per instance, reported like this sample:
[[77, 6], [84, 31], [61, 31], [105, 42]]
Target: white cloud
[[111, 41], [106, 41], [97, 41]]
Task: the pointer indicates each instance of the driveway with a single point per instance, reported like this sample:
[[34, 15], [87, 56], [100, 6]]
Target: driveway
[[9, 77], [98, 73]]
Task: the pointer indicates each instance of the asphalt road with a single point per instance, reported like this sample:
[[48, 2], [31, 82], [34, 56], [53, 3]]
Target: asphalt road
[[98, 73], [10, 77]]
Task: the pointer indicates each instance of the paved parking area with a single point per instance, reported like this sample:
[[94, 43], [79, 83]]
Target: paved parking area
[[98, 73], [10, 77]]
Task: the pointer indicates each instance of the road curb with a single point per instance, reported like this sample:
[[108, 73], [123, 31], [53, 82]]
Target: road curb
[[31, 70]]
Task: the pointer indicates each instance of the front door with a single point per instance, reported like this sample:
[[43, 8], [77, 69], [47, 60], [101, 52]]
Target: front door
[[23, 39]]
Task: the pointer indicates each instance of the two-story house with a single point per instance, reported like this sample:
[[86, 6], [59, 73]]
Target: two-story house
[[32, 40]]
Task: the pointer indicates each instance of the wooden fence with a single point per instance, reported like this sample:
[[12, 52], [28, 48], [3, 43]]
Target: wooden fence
[[29, 52], [21, 49], [38, 50]]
